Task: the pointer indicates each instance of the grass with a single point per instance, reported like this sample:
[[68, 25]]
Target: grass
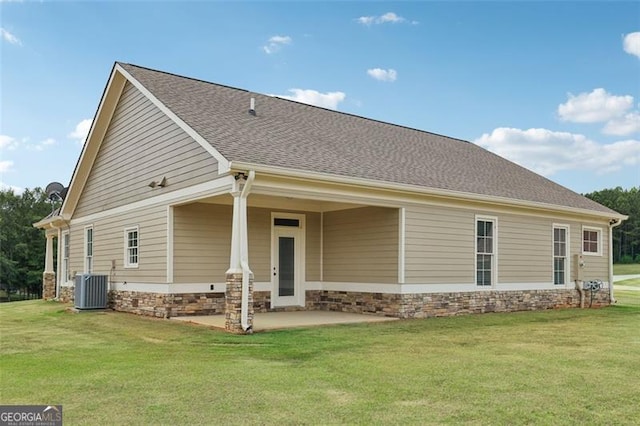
[[626, 269], [553, 367], [633, 282]]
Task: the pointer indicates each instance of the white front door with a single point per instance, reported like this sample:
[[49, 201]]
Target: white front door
[[287, 260]]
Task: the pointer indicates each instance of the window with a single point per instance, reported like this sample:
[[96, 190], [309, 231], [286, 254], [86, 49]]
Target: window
[[131, 240], [88, 249], [65, 257], [286, 222], [560, 254], [485, 251], [591, 238]]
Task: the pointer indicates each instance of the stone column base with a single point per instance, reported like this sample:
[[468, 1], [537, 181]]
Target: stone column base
[[48, 285], [233, 304]]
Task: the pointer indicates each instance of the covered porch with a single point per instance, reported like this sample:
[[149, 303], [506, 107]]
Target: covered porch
[[292, 249]]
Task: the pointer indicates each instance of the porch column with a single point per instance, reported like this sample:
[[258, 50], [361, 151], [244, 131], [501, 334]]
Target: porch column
[[239, 277], [49, 275]]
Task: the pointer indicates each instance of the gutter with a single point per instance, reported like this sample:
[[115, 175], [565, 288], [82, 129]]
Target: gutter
[[244, 253], [612, 224], [416, 189]]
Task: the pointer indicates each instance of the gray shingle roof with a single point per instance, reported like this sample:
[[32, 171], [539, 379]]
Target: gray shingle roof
[[298, 136]]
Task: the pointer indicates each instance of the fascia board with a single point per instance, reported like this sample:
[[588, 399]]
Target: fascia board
[[414, 189]]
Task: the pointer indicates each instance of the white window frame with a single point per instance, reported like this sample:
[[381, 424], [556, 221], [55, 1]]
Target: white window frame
[[494, 254], [599, 241], [88, 254], [65, 247], [127, 231], [567, 253]]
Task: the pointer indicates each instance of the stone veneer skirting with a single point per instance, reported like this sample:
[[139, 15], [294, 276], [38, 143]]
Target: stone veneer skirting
[[426, 305], [423, 305], [167, 305], [67, 294], [48, 285]]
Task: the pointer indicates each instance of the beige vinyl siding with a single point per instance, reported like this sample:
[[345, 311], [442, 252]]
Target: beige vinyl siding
[[525, 247], [361, 245], [439, 245], [595, 266], [142, 145], [259, 228], [76, 250], [312, 237], [108, 246], [525, 250], [202, 243]]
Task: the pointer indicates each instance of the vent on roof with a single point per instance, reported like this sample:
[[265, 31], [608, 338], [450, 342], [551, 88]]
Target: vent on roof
[[252, 107]]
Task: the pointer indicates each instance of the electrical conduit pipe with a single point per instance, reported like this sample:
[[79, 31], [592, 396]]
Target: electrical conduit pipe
[[611, 226], [244, 253]]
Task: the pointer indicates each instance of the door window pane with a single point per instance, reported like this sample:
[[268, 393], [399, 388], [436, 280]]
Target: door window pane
[[286, 262]]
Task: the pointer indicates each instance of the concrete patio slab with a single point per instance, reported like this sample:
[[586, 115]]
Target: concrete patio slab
[[282, 320]]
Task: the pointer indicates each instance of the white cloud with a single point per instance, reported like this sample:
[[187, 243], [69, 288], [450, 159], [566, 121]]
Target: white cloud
[[275, 43], [42, 145], [547, 152], [7, 187], [313, 97], [10, 38], [383, 75], [625, 125], [8, 143], [5, 166], [388, 17], [366, 20], [593, 107], [81, 131], [631, 44]]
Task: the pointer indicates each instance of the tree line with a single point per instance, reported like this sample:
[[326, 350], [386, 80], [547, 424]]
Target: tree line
[[22, 247], [626, 237]]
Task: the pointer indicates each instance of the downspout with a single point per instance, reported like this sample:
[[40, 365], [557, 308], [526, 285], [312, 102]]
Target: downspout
[[244, 253], [612, 224]]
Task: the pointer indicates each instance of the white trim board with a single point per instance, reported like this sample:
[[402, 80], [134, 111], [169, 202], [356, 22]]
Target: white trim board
[[212, 188], [220, 287]]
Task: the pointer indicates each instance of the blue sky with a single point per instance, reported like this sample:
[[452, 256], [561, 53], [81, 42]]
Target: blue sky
[[553, 86]]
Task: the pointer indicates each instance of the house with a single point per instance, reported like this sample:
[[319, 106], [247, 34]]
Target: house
[[197, 198]]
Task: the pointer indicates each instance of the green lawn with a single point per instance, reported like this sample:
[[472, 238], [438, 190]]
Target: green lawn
[[627, 269], [633, 282], [554, 367]]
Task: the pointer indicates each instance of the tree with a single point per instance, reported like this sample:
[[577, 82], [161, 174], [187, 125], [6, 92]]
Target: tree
[[626, 237], [22, 247]]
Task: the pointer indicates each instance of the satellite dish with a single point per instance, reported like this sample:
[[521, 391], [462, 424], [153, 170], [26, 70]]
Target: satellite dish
[[54, 190]]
